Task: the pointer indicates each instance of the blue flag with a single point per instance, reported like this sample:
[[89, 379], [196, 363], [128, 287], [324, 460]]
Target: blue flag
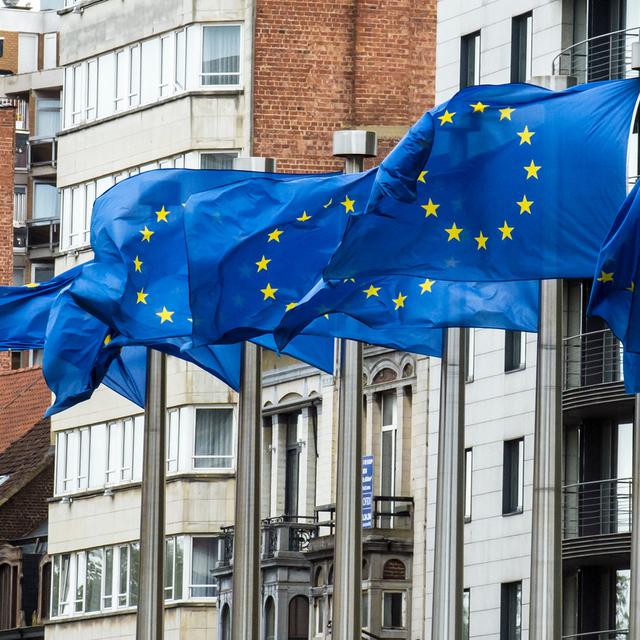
[[510, 182], [411, 308]]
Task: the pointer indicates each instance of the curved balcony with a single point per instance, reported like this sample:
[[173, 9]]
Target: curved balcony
[[593, 371], [597, 519], [603, 57]]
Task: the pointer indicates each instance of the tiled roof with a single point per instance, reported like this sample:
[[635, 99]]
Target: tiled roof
[[24, 397], [24, 459]]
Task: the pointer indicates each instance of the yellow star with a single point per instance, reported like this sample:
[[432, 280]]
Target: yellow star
[[446, 117], [482, 241], [606, 277], [532, 170], [138, 264], [371, 291], [146, 234], [107, 340], [632, 287], [275, 235], [431, 208], [162, 215], [426, 286], [269, 292], [290, 306], [165, 315], [32, 285], [454, 233], [304, 217], [479, 107], [525, 136], [505, 114], [347, 203], [422, 176], [399, 301], [525, 205], [506, 231], [142, 296], [263, 264], [326, 316]]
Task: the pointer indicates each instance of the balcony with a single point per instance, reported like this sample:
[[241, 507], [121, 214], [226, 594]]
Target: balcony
[[43, 156], [288, 534], [593, 371], [603, 57], [43, 237], [597, 519]]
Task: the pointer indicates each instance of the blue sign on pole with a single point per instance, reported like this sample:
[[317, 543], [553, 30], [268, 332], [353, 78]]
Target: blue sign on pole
[[367, 492]]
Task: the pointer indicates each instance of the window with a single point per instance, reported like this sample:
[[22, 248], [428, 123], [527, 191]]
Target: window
[[213, 439], [513, 477], [134, 75], [469, 362], [521, 57], [468, 470], [72, 453], [18, 276], [173, 568], [365, 609], [124, 450], [9, 586], [41, 272], [1, 47], [292, 470], [94, 579], [393, 610], [19, 203], [514, 350], [173, 440], [203, 563], [298, 618], [389, 431], [46, 203], [22, 149], [27, 52], [470, 60], [466, 610], [511, 611], [47, 117], [50, 51], [217, 160], [269, 619], [221, 55]]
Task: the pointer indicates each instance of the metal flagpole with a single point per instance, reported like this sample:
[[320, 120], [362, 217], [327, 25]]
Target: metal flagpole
[[150, 619], [545, 609], [449, 533], [354, 146], [634, 603], [247, 602]]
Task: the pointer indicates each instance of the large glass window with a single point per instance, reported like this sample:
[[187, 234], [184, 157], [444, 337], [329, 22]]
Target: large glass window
[[511, 611], [221, 55], [521, 38], [173, 568], [47, 117], [213, 439], [470, 60], [513, 477], [203, 563], [217, 160], [46, 203]]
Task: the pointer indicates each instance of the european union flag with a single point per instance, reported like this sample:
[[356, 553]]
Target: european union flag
[[510, 182], [614, 297], [411, 309]]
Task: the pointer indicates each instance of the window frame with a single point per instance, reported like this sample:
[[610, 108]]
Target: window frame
[[466, 608], [468, 484], [511, 366], [508, 506], [470, 42], [516, 46], [470, 355], [510, 591], [240, 72], [232, 456], [403, 611], [190, 586]]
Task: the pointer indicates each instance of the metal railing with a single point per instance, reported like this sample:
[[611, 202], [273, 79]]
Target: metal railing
[[597, 508], [603, 57], [592, 358], [610, 634], [287, 533]]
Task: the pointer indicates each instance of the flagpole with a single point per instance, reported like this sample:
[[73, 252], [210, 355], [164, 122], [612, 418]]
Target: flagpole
[[150, 618], [449, 530], [354, 146], [634, 603], [247, 601], [545, 608]]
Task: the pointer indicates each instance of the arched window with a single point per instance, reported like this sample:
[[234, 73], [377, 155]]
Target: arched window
[[394, 570], [318, 580], [330, 575], [269, 619], [365, 570], [8, 595], [299, 618], [225, 623]]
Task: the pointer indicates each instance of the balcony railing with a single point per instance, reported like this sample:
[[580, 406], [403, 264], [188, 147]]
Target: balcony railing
[[592, 358], [287, 533], [597, 508], [610, 634], [603, 57]]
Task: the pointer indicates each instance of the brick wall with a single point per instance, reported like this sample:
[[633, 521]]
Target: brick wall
[[24, 511], [9, 58], [7, 152], [323, 66]]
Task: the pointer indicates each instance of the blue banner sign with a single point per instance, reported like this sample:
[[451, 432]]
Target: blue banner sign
[[367, 492]]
